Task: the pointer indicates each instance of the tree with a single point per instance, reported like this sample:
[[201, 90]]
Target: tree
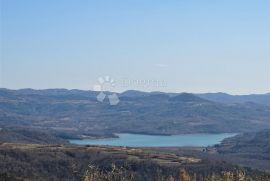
[[170, 178], [183, 175]]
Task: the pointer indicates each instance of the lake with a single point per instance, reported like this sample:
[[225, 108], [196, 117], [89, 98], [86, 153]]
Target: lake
[[139, 140]]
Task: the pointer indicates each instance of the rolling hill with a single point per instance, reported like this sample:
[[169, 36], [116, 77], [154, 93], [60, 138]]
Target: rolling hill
[[79, 112]]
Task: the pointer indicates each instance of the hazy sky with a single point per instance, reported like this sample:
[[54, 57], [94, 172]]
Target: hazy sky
[[191, 46]]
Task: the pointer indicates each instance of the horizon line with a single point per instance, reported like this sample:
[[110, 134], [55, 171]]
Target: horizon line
[[142, 91]]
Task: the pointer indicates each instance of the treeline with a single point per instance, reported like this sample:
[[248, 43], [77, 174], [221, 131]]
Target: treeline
[[28, 136]]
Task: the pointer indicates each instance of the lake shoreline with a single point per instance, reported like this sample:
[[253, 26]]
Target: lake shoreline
[[115, 135], [142, 140]]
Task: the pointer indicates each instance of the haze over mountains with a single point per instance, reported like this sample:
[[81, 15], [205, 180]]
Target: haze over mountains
[[216, 97], [79, 113]]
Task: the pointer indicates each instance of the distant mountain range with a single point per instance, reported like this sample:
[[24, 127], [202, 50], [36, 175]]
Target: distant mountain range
[[219, 97], [215, 97], [79, 112], [227, 98]]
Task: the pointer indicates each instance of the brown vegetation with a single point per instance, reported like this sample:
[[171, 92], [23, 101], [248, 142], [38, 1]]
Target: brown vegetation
[[90, 163]]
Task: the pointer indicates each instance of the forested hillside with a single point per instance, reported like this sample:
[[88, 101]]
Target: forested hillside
[[79, 112]]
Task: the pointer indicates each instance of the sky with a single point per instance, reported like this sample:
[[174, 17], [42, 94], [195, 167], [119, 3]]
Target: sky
[[155, 45]]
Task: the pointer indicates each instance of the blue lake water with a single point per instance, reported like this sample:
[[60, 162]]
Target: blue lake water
[[139, 140]]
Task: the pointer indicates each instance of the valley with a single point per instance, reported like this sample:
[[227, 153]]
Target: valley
[[37, 125]]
